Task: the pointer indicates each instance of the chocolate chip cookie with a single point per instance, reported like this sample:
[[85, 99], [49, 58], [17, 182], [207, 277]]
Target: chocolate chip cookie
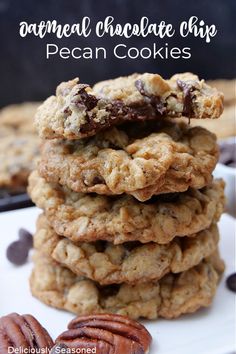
[[88, 217], [18, 153], [170, 297], [141, 160], [130, 262], [78, 111]]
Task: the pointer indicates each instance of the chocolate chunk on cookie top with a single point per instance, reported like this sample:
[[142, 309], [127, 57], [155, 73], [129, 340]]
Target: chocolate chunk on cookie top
[[78, 111]]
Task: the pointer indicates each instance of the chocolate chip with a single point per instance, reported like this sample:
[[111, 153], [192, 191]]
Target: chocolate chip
[[26, 237], [231, 282], [57, 349], [188, 97], [98, 180], [140, 87], [17, 252], [89, 101], [227, 154], [154, 100]]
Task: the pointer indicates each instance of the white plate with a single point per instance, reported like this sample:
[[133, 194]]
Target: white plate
[[209, 331]]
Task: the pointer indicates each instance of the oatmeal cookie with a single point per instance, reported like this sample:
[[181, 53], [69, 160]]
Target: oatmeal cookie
[[79, 111], [19, 117], [170, 297], [130, 262], [141, 160], [88, 217], [17, 159]]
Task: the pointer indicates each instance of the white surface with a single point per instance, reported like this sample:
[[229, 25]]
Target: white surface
[[210, 331]]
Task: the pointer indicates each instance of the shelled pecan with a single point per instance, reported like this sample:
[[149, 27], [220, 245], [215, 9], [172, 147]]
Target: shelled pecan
[[23, 333], [105, 333]]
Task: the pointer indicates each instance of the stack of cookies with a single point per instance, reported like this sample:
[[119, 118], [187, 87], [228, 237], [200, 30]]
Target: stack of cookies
[[130, 209]]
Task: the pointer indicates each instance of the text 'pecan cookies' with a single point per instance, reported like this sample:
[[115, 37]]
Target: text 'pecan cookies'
[[130, 262], [88, 218], [141, 160], [173, 295], [106, 333], [79, 111], [23, 334]]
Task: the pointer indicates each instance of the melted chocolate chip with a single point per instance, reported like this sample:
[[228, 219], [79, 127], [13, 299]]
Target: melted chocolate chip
[[118, 112], [188, 97], [154, 100], [90, 125], [89, 101], [231, 282]]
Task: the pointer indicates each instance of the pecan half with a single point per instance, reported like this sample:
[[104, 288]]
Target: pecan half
[[108, 333], [23, 332]]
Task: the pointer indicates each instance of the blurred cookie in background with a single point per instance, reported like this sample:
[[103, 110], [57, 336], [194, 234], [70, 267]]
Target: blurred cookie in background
[[18, 117], [228, 88], [17, 159], [226, 125], [19, 147]]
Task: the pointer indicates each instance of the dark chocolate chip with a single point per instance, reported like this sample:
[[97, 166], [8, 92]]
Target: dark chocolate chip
[[89, 101], [17, 252], [98, 180], [228, 154], [154, 100], [188, 97], [57, 349], [26, 237], [231, 282]]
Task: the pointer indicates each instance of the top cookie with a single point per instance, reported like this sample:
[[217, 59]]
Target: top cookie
[[79, 111]]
